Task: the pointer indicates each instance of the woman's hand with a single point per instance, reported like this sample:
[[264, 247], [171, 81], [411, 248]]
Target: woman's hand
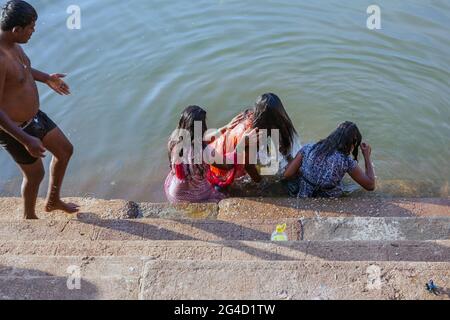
[[235, 121], [366, 150], [365, 179], [233, 124]]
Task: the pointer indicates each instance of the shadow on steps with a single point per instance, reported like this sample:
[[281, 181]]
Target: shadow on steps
[[237, 238], [29, 284]]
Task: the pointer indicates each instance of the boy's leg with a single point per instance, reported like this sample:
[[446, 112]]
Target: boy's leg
[[33, 174], [61, 148]]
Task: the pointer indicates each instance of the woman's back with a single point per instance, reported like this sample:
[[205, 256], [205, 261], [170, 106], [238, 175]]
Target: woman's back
[[322, 175], [227, 142], [190, 186], [186, 181]]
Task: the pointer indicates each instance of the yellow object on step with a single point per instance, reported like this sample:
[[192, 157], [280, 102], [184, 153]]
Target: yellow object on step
[[280, 234]]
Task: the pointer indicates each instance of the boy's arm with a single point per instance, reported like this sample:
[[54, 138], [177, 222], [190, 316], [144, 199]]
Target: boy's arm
[[32, 144], [40, 76], [54, 81]]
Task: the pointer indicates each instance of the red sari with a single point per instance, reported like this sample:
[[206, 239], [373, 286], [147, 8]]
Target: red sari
[[226, 145]]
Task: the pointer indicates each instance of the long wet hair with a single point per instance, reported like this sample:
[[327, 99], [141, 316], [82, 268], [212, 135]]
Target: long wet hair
[[189, 116], [269, 113], [346, 136]]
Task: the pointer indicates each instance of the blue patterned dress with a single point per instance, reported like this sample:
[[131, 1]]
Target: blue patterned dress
[[322, 176]]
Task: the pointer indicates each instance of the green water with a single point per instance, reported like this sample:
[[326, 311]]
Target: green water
[[135, 65]]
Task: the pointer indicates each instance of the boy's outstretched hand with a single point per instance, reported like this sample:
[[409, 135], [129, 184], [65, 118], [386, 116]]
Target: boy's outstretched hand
[[57, 84]]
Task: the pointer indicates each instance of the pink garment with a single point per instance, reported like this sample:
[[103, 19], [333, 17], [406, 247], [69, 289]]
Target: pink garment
[[195, 188]]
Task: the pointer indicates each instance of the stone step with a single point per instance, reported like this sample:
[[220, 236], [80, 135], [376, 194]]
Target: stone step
[[426, 251], [361, 228], [364, 228], [140, 277], [12, 209], [47, 278], [266, 208], [144, 229], [244, 208], [270, 280]]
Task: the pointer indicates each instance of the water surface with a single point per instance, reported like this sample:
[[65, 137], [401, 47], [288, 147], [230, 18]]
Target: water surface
[[135, 65]]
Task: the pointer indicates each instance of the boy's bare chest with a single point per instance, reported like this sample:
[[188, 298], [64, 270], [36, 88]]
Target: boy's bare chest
[[18, 70]]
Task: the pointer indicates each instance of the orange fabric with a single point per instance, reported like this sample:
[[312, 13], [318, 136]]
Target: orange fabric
[[226, 145], [218, 172]]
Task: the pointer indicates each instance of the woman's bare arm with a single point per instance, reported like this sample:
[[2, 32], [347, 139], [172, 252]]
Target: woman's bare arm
[[365, 179], [294, 166], [233, 124]]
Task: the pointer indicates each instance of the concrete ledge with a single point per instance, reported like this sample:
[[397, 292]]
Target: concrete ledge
[[241, 208], [264, 208], [143, 278], [46, 278], [364, 228], [144, 229], [11, 209], [414, 251], [209, 251], [267, 280], [339, 229]]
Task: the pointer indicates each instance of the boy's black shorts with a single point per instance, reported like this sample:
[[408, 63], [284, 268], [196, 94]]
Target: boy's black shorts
[[37, 127]]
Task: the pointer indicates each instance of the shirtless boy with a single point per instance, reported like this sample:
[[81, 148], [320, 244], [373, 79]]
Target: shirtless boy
[[26, 133]]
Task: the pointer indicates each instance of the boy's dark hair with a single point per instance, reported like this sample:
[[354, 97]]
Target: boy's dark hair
[[17, 13]]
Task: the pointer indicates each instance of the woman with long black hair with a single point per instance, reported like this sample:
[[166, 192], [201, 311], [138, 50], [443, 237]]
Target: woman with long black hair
[[187, 180], [267, 114], [321, 167]]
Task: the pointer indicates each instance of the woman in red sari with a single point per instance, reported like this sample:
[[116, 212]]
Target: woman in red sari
[[269, 114]]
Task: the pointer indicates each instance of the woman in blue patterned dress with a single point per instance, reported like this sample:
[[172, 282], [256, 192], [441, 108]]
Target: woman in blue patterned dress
[[319, 168]]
